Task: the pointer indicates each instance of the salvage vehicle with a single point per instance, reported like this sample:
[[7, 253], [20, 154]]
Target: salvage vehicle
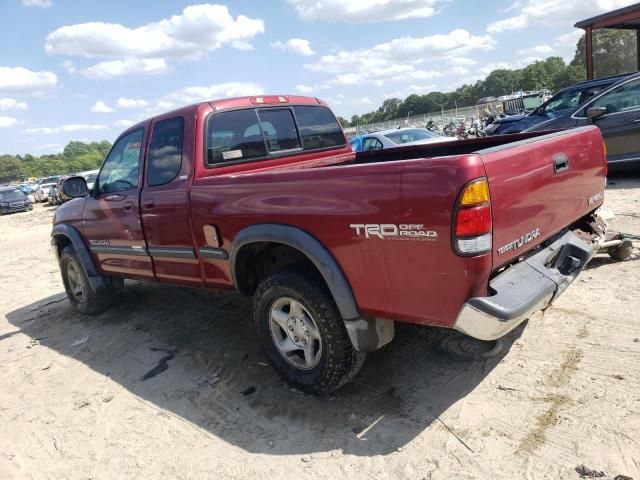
[[264, 195], [41, 193], [14, 200], [616, 112], [393, 137], [561, 105]]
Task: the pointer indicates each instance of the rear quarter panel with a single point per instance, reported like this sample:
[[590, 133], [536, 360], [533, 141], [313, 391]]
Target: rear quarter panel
[[410, 280]]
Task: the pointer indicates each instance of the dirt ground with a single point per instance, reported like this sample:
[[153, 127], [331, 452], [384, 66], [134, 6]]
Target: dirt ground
[[74, 401]]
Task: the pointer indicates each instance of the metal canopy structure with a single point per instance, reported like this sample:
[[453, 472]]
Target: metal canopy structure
[[627, 18]]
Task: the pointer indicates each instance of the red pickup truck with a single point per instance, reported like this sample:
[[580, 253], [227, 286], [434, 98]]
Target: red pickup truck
[[264, 195]]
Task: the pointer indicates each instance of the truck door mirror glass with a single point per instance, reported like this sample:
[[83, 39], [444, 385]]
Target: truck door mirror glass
[[596, 112], [75, 187]]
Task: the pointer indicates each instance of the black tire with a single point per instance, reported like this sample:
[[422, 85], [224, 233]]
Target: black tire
[[622, 252], [337, 360], [76, 284]]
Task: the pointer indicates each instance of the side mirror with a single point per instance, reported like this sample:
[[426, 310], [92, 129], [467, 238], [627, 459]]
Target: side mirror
[[596, 112], [75, 187]]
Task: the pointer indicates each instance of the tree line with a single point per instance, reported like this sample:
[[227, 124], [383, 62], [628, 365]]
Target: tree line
[[76, 157], [614, 53]]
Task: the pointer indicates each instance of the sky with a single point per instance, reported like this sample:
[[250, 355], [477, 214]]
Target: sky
[[88, 69]]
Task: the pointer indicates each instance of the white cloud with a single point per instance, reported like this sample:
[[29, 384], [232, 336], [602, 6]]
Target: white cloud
[[6, 122], [398, 59], [131, 103], [128, 66], [462, 62], [294, 45], [101, 107], [64, 128], [191, 95], [197, 30], [364, 11], [554, 12], [12, 104], [37, 3], [303, 89], [533, 54], [565, 44], [124, 123], [21, 80]]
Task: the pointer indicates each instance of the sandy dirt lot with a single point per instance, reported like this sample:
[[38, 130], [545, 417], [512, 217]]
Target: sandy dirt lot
[[75, 404]]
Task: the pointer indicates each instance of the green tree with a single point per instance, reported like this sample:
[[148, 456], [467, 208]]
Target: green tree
[[614, 52], [10, 168]]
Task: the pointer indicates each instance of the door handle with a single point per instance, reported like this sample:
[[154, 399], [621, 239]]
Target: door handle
[[113, 197], [560, 163], [149, 203], [128, 206]]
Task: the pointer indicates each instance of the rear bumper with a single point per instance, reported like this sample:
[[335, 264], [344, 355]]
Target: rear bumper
[[525, 288]]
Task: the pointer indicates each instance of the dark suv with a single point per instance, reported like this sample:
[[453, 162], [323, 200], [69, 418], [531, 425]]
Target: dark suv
[[562, 104], [12, 199], [616, 111]]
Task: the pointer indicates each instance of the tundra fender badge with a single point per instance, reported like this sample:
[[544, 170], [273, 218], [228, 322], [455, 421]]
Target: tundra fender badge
[[390, 231], [519, 242]]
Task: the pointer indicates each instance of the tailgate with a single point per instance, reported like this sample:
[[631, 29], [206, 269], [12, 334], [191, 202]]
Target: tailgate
[[541, 185]]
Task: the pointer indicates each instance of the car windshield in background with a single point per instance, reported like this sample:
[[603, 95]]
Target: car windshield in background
[[48, 180], [570, 99], [10, 194], [410, 135], [91, 177]]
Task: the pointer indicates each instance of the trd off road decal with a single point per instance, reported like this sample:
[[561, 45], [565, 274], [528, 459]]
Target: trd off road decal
[[390, 231]]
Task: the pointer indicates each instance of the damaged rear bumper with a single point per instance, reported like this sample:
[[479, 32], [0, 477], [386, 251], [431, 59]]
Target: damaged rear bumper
[[528, 286]]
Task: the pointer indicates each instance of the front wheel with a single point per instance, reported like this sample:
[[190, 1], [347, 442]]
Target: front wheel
[[76, 284], [302, 332]]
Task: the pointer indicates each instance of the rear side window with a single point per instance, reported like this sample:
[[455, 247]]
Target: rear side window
[[165, 151], [318, 128], [234, 136], [279, 129]]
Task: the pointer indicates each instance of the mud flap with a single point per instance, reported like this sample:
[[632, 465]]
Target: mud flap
[[370, 334]]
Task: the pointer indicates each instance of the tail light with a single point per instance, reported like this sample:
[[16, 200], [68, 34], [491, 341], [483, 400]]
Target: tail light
[[472, 219]]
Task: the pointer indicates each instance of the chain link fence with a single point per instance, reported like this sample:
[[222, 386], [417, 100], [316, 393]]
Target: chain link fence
[[465, 115]]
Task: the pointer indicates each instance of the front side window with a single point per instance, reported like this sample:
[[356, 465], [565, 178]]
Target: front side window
[[234, 136], [165, 151], [120, 169], [318, 128], [624, 98]]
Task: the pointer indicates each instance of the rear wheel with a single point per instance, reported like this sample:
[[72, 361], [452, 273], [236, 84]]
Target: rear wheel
[[302, 332], [77, 286], [622, 252]]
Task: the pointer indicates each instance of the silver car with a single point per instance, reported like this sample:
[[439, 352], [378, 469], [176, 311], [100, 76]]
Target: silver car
[[41, 193], [396, 137]]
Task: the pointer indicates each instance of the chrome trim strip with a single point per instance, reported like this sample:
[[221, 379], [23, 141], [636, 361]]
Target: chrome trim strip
[[213, 253], [118, 250], [171, 252]]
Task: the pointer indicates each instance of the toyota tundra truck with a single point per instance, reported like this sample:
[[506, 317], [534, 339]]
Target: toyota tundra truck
[[264, 195]]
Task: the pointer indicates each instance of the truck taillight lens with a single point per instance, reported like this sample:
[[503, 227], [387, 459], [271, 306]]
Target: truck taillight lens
[[472, 229], [473, 221]]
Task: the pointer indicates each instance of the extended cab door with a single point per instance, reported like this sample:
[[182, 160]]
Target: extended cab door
[[164, 199], [111, 218], [620, 125]]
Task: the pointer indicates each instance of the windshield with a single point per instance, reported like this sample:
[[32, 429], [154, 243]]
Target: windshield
[[569, 99], [48, 180], [410, 135], [9, 194], [91, 177]]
